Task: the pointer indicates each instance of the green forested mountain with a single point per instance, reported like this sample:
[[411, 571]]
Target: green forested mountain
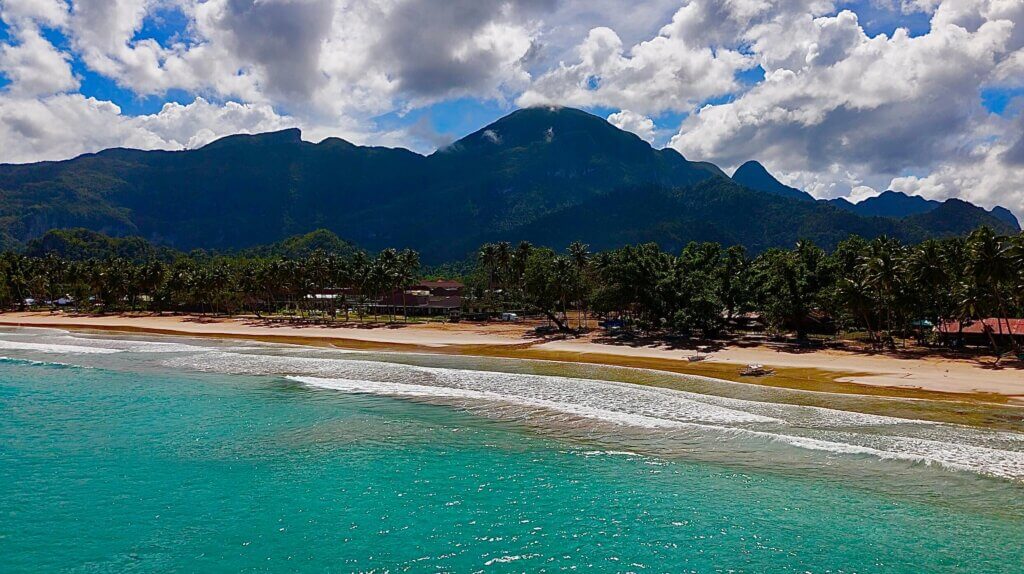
[[893, 204], [900, 205], [889, 204], [80, 244], [542, 174], [753, 175]]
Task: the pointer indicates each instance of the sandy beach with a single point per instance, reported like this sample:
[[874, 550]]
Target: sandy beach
[[912, 374]]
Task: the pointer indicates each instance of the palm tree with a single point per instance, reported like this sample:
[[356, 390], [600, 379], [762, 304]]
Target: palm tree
[[363, 275], [882, 271], [408, 266], [386, 274], [733, 280], [928, 268], [991, 267], [502, 261], [855, 294], [975, 302], [17, 278], [1016, 254], [520, 259], [579, 254], [562, 268], [488, 258]]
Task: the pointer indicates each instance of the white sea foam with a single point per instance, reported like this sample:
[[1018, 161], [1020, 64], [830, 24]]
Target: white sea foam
[[650, 401], [55, 348], [17, 361], [132, 345], [991, 461], [8, 331], [424, 391], [509, 558], [994, 453], [670, 412], [52, 340]]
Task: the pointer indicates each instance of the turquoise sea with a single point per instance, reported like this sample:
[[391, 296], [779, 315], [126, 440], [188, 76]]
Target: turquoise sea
[[158, 454]]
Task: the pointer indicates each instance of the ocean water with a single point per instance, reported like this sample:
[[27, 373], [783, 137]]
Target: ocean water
[[159, 454]]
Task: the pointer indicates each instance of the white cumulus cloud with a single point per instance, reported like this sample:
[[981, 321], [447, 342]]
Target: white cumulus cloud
[[839, 111], [668, 72], [639, 124], [839, 108], [34, 66]]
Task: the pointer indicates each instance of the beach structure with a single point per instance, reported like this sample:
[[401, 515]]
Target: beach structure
[[440, 297], [983, 332]]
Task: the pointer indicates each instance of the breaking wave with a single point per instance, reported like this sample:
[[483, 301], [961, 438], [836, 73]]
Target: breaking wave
[[55, 348], [673, 420], [955, 456], [29, 362]]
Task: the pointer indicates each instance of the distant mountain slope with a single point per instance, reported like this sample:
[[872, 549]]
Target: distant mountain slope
[[83, 244], [1006, 216], [953, 215], [894, 204], [756, 177], [713, 210], [548, 175], [887, 204], [900, 205]]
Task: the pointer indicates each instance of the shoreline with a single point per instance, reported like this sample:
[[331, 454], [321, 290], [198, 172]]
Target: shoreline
[[903, 375]]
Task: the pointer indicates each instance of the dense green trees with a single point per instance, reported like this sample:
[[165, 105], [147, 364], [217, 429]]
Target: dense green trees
[[880, 287], [883, 288], [207, 284], [553, 176]]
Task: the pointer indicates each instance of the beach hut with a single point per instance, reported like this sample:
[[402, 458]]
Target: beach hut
[[983, 332]]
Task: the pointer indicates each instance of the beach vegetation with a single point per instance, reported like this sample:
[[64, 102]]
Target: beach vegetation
[[883, 290]]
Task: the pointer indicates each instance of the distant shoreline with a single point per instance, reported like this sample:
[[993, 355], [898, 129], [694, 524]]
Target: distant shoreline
[[849, 372]]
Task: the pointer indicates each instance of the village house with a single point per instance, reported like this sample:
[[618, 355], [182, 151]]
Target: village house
[[440, 297], [982, 332]]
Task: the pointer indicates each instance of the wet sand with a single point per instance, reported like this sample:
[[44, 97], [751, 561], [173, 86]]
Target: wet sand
[[907, 374]]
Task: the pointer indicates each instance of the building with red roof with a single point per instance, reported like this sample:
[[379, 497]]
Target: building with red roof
[[983, 331]]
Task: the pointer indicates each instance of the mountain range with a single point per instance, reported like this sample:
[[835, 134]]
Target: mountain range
[[547, 175], [887, 204]]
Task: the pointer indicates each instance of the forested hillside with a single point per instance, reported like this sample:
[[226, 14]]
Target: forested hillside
[[546, 175]]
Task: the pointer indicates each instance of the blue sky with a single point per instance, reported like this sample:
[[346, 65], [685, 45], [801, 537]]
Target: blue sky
[[842, 99]]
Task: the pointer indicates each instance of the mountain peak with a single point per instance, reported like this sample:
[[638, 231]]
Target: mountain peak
[[1006, 216], [285, 136], [754, 176], [891, 203], [752, 168], [538, 126]]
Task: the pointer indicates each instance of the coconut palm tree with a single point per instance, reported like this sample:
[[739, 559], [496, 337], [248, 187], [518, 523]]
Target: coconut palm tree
[[976, 302], [579, 254], [991, 267], [488, 258], [562, 269], [855, 293], [881, 267], [502, 263], [928, 270], [520, 258], [407, 268]]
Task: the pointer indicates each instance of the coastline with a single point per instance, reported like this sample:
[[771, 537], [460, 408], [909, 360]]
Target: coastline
[[906, 375]]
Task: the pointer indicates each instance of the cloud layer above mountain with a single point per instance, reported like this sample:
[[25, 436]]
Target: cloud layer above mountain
[[839, 98]]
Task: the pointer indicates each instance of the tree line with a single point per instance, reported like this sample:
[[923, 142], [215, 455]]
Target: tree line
[[880, 287], [203, 283]]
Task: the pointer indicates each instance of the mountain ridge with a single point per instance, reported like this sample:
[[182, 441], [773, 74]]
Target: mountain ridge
[[525, 176], [889, 203], [754, 175]]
